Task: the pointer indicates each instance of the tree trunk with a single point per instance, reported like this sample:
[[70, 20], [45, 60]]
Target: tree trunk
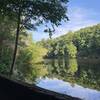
[[16, 43]]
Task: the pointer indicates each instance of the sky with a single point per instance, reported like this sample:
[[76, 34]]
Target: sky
[[82, 13]]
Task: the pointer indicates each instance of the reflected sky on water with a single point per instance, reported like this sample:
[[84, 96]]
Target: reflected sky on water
[[69, 89], [78, 78]]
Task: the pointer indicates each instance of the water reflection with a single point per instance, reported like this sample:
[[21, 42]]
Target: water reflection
[[81, 72], [30, 73], [79, 78], [66, 88], [72, 66]]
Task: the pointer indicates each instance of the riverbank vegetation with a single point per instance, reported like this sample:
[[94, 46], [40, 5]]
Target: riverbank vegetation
[[29, 66], [18, 53], [84, 43], [29, 53]]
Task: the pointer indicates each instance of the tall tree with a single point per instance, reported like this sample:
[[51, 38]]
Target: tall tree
[[32, 13]]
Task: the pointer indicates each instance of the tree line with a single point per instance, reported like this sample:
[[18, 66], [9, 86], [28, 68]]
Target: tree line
[[82, 43]]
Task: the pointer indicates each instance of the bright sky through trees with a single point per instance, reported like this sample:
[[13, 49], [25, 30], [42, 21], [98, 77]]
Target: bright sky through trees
[[82, 13]]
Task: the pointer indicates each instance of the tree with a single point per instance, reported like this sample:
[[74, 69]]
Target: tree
[[32, 13], [29, 60], [7, 28], [71, 50], [7, 38], [87, 41]]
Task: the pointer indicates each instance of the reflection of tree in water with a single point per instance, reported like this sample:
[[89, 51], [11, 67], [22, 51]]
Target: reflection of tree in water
[[72, 66], [88, 75], [31, 73], [60, 67], [85, 74]]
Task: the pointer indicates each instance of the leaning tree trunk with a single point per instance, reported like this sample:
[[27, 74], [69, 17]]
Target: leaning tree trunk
[[16, 43]]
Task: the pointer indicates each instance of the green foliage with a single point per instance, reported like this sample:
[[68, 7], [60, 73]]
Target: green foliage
[[40, 11], [82, 43], [27, 63], [72, 66], [71, 50], [7, 37], [62, 46], [29, 54], [5, 59], [30, 14], [87, 41]]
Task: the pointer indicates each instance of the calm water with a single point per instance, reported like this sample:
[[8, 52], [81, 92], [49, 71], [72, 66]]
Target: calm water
[[76, 78]]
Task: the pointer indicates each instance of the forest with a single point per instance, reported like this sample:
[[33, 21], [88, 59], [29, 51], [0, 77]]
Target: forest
[[81, 44], [28, 52], [84, 43], [18, 52], [68, 63], [75, 57], [27, 60]]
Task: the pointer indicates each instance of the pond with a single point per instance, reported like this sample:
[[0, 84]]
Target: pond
[[78, 78]]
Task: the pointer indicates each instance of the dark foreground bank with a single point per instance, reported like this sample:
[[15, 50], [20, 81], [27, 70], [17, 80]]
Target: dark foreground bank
[[12, 90]]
